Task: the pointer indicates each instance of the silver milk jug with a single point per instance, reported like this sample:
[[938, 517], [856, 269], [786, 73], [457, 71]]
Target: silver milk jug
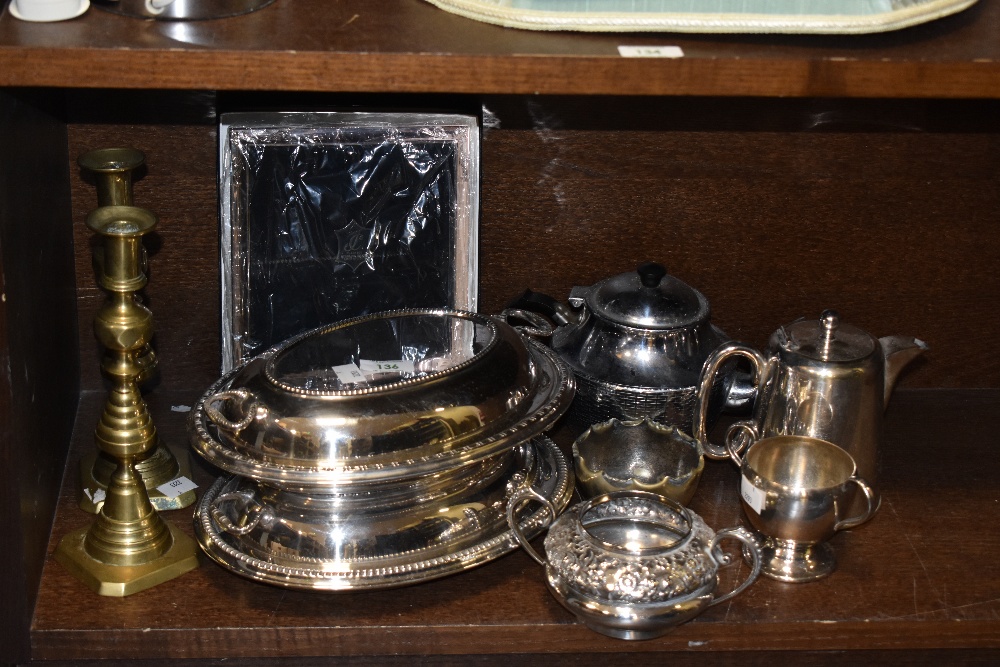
[[819, 378]]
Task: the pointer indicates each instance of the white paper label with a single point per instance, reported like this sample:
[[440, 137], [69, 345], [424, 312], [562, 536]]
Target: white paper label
[[753, 496], [394, 366], [349, 374], [96, 496], [176, 487], [650, 52]]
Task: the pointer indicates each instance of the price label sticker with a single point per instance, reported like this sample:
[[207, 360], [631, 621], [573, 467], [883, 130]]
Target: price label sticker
[[95, 496], [753, 496], [392, 366], [650, 51], [176, 487], [349, 374]]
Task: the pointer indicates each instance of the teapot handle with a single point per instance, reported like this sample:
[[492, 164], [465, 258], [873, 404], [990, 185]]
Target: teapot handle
[[708, 376], [518, 499], [750, 548]]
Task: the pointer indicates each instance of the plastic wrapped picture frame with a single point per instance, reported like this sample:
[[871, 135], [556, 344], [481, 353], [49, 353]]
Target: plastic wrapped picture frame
[[330, 215]]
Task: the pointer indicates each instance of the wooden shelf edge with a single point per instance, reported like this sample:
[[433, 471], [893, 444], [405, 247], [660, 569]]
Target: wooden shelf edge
[[228, 643], [492, 74]]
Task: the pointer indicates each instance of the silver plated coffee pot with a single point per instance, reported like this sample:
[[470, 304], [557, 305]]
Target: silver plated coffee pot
[[819, 378]]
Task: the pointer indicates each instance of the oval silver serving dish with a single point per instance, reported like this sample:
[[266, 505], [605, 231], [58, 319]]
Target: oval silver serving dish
[[333, 542], [381, 398]]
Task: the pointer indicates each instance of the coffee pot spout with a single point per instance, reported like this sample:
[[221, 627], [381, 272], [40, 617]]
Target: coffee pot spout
[[898, 352]]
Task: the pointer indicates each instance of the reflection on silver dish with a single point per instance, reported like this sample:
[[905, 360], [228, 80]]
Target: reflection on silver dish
[[306, 541]]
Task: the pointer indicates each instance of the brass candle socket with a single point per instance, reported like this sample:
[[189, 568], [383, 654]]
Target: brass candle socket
[[128, 547], [114, 170]]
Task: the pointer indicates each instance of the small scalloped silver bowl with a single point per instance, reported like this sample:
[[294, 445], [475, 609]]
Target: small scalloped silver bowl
[[637, 455]]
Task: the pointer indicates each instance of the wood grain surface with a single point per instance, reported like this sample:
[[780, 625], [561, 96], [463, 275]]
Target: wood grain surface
[[920, 576], [886, 215]]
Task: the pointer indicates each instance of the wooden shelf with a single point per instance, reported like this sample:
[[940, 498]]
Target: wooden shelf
[[921, 575], [411, 46], [778, 174]]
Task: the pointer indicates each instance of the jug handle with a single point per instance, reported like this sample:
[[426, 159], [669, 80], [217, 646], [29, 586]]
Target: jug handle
[[854, 522], [518, 499], [722, 558], [708, 376], [734, 444]]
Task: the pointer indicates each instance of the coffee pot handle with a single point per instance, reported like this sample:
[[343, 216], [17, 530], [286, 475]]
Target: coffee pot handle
[[750, 548], [709, 371], [854, 522], [519, 498]]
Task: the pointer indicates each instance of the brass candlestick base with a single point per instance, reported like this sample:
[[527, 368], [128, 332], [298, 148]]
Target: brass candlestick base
[[114, 170], [164, 464], [129, 547]]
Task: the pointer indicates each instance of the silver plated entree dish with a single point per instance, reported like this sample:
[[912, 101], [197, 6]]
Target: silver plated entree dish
[[334, 542], [381, 398]]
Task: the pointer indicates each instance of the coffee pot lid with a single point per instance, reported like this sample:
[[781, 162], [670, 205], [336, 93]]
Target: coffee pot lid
[[826, 339], [648, 298]]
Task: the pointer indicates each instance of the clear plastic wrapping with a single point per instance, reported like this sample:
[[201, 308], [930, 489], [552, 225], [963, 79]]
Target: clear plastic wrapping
[[332, 215]]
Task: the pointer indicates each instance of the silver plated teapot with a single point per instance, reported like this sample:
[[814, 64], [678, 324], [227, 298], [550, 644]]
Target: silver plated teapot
[[820, 378], [636, 343]]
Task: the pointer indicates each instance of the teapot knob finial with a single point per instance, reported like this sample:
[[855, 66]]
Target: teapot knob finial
[[651, 273], [830, 320]]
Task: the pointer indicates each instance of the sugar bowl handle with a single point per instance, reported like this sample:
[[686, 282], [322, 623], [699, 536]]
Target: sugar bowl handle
[[518, 499], [750, 548]]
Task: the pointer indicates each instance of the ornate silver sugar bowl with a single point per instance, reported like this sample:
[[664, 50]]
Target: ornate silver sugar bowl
[[632, 564]]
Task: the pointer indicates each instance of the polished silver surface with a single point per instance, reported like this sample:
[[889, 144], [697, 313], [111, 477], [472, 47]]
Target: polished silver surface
[[796, 491], [819, 378], [637, 455], [321, 541], [181, 9], [636, 343], [632, 564], [460, 388]]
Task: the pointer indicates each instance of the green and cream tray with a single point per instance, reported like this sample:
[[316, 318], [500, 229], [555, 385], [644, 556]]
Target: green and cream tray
[[707, 16]]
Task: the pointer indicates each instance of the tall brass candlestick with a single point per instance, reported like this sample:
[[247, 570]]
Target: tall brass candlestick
[[114, 170], [128, 547]]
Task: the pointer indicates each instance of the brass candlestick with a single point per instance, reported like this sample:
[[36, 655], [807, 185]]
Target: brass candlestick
[[128, 547], [114, 170]]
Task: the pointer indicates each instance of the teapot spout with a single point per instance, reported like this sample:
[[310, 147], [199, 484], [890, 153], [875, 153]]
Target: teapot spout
[[898, 351]]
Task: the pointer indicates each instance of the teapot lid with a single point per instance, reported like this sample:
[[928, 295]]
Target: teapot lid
[[647, 298], [826, 339]]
